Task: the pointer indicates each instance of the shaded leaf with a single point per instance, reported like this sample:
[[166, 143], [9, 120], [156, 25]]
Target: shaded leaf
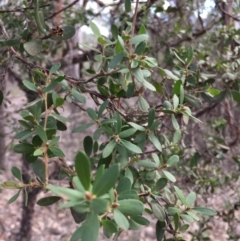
[[14, 197], [33, 47], [82, 127], [83, 169], [106, 181], [130, 146], [120, 219], [109, 148], [17, 173], [205, 211], [46, 201], [131, 207]]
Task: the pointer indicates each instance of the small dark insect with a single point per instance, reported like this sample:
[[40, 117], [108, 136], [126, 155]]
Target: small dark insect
[[57, 31]]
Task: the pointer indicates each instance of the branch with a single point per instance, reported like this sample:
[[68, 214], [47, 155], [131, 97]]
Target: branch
[[62, 10], [194, 35], [22, 10]]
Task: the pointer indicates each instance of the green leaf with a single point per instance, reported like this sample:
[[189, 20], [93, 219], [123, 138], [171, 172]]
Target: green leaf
[[14, 197], [161, 183], [128, 194], [177, 136], [56, 151], [54, 141], [175, 102], [236, 95], [173, 160], [169, 176], [124, 184], [17, 173], [11, 42], [189, 56], [71, 194], [160, 230], [175, 123], [83, 169], [90, 227], [147, 164], [176, 220], [120, 219], [29, 85], [155, 141], [78, 184], [88, 145], [11, 185], [82, 127], [127, 133], [136, 126], [138, 73], [191, 198], [102, 108], [214, 92], [78, 217], [33, 47], [78, 96], [158, 211], [143, 104], [180, 195], [127, 5], [187, 218], [193, 215], [41, 133], [24, 148], [92, 114], [193, 101], [38, 152], [109, 225], [99, 205], [39, 169], [116, 60], [183, 227], [172, 210], [156, 159], [60, 118], [141, 220], [95, 29], [131, 147], [76, 236], [151, 117], [205, 211], [140, 48], [109, 148], [139, 38], [171, 75], [106, 181], [114, 31], [23, 135], [46, 201], [54, 68], [130, 207]]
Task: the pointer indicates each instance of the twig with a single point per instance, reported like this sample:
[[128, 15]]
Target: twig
[[62, 10], [134, 24], [22, 9]]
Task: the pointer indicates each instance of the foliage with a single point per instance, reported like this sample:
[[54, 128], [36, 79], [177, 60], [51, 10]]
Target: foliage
[[115, 184]]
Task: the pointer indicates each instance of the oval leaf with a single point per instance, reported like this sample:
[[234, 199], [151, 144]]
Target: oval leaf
[[83, 169]]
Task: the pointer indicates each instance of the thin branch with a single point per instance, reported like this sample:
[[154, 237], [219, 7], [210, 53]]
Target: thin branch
[[228, 14], [62, 10], [22, 9], [194, 35], [134, 24]]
